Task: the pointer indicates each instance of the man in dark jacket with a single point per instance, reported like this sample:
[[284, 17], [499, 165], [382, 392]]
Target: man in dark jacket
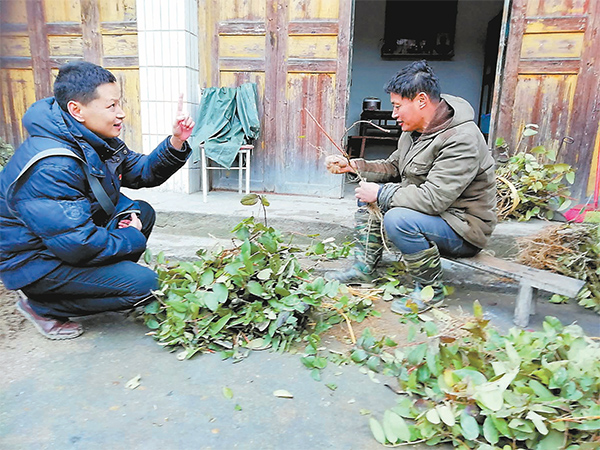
[[70, 239], [436, 192]]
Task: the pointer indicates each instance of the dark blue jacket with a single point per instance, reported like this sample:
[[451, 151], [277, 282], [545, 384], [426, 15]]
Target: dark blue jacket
[[51, 217]]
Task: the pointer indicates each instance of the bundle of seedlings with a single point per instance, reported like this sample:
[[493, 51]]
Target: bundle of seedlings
[[531, 184], [569, 249], [487, 391], [253, 296]]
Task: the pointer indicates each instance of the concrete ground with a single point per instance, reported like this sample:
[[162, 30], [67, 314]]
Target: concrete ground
[[73, 394]]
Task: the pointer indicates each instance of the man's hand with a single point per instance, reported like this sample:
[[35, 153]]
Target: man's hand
[[183, 126], [367, 192], [134, 221], [339, 164]]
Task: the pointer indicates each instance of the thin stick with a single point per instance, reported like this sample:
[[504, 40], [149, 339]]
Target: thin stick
[[342, 151], [350, 330]]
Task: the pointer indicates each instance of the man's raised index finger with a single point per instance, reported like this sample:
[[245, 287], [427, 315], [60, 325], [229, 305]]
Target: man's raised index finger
[[180, 105]]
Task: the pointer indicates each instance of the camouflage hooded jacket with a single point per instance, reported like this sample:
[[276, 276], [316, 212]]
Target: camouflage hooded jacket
[[447, 171]]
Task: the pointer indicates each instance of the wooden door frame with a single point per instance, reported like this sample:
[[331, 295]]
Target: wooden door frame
[[585, 117], [500, 65]]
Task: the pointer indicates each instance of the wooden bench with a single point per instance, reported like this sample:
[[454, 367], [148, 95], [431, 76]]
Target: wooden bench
[[529, 280]]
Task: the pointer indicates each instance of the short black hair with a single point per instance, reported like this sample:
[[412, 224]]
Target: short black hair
[[78, 81], [414, 78]]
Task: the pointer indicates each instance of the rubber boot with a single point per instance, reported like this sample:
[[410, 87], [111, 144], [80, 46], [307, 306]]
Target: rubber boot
[[425, 268], [367, 250]]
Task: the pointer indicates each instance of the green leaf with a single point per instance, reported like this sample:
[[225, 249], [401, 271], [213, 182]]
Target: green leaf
[[331, 386], [433, 417], [373, 363], [152, 308], [282, 393], [390, 433], [148, 256], [469, 426], [417, 355], [255, 288], [218, 326], [446, 414], [431, 328], [477, 309], [427, 293], [541, 391], [249, 199], [227, 393], [152, 324], [396, 426], [359, 355], [538, 421], [315, 374], [529, 132], [490, 399], [554, 440], [207, 278], [377, 430], [221, 292], [473, 375], [211, 301], [570, 177], [489, 431], [264, 274]]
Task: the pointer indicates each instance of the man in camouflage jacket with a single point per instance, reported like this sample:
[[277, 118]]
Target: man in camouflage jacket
[[436, 192]]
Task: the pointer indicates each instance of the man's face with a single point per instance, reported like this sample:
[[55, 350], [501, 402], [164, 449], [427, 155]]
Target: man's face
[[407, 113], [103, 115]]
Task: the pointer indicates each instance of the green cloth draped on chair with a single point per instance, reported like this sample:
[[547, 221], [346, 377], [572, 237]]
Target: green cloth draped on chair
[[226, 120]]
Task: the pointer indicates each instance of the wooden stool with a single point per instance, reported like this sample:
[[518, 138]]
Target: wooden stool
[[243, 157]]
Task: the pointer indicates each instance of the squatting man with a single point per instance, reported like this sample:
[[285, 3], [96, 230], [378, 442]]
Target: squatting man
[[70, 238], [436, 192]]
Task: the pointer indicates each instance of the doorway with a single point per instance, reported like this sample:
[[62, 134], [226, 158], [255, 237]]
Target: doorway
[[468, 71]]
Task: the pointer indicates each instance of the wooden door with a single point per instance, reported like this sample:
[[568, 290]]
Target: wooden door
[[297, 51], [38, 36], [552, 77]]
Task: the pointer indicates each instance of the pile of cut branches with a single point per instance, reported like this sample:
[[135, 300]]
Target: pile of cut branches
[[253, 296], [569, 249], [487, 391]]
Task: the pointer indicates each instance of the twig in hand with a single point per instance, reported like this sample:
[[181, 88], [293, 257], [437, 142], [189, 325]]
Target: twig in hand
[[340, 149]]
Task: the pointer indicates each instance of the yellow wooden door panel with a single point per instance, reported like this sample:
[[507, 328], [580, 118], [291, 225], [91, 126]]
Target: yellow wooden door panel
[[62, 11], [242, 10], [65, 46], [312, 47], [242, 47], [119, 10], [129, 81], [14, 11], [314, 9], [16, 87], [15, 46], [556, 7], [552, 45], [120, 45]]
